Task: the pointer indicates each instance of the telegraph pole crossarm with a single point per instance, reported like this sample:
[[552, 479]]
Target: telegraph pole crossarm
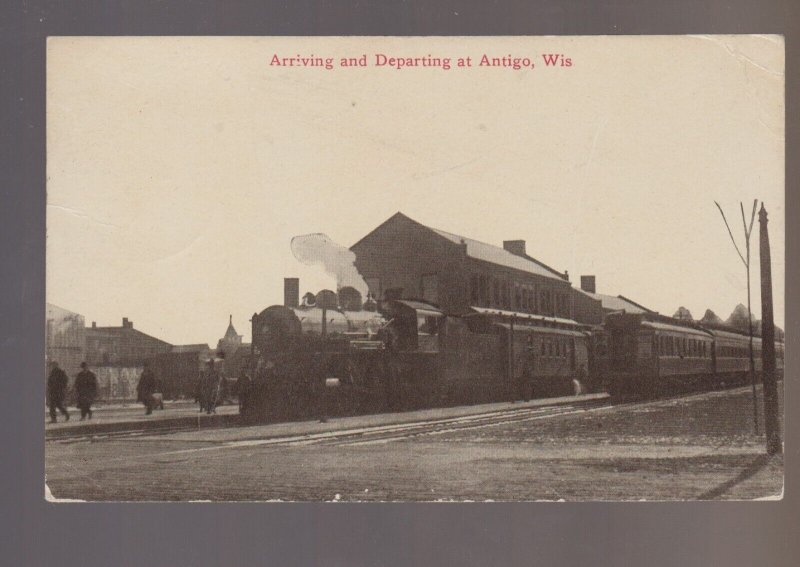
[[746, 262]]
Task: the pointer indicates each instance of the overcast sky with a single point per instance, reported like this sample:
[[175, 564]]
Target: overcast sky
[[179, 169]]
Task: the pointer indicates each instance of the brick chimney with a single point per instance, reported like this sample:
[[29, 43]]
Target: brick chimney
[[291, 292], [94, 324], [588, 284], [127, 324], [516, 247]]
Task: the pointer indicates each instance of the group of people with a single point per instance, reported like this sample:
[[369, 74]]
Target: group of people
[[211, 392], [85, 391], [85, 388], [212, 388]]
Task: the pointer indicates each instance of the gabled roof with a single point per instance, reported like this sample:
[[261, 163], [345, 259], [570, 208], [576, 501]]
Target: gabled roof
[[500, 256], [486, 252], [55, 312], [618, 303], [122, 331]]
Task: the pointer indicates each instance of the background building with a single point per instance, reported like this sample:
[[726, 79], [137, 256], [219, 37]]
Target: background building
[[65, 339], [117, 356]]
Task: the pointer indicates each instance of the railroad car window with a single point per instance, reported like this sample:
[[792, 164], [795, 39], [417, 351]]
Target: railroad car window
[[427, 325]]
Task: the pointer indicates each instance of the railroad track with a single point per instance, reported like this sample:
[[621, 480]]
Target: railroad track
[[379, 434], [397, 432]]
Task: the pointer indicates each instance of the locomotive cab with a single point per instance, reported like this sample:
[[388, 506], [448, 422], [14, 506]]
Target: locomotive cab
[[416, 325]]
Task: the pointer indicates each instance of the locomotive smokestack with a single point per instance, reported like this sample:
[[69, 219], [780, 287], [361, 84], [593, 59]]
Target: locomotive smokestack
[[291, 292], [588, 284]]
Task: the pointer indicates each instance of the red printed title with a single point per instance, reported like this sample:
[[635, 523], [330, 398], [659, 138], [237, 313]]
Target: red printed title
[[382, 60]]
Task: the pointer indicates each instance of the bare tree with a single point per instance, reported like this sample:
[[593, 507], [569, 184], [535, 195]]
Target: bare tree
[[746, 261]]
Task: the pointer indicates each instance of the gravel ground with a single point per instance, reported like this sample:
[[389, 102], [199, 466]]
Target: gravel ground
[[700, 447]]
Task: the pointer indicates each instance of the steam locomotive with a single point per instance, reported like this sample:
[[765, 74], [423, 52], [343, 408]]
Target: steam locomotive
[[336, 357], [322, 359]]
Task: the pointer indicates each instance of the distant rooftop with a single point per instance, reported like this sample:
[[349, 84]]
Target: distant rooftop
[[618, 303]]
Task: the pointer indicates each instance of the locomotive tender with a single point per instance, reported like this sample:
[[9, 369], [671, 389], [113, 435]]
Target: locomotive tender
[[316, 361]]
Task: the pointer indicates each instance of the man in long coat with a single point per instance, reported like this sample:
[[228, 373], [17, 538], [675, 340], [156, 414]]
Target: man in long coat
[[86, 390], [56, 392], [243, 386], [210, 388], [146, 388]]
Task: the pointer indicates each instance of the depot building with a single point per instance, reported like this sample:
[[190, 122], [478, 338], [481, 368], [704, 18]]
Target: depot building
[[404, 259]]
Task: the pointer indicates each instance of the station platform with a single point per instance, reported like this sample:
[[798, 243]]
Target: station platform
[[115, 418], [183, 415]]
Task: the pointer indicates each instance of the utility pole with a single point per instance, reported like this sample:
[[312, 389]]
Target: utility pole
[[771, 420], [746, 262]]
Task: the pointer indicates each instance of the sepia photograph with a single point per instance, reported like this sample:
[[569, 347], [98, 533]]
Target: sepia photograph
[[415, 269]]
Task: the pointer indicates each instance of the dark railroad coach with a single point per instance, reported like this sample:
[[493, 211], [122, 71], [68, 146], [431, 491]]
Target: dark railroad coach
[[314, 362], [647, 354]]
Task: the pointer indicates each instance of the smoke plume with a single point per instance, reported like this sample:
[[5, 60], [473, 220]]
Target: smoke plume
[[338, 261]]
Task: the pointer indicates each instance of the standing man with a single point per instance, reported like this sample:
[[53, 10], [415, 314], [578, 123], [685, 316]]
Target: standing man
[[242, 389], [56, 392], [209, 388], [86, 389], [146, 388]]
